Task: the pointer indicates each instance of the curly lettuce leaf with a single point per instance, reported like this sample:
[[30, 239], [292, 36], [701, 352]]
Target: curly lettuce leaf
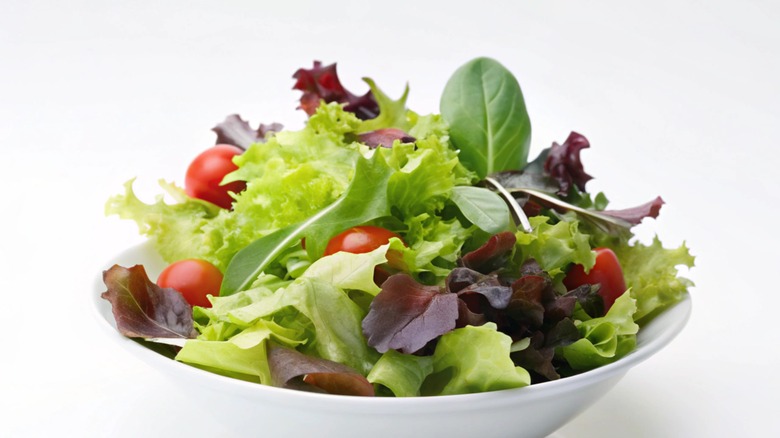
[[474, 359], [604, 339], [402, 374], [323, 84], [555, 246], [651, 273], [289, 178], [392, 113], [177, 230]]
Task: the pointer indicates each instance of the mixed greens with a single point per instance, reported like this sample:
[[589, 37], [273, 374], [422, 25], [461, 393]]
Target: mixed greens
[[473, 292]]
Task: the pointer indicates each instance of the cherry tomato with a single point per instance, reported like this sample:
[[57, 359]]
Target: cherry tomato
[[206, 172], [366, 238], [606, 272], [359, 240], [194, 278]]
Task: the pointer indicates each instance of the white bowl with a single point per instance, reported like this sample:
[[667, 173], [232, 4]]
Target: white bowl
[[257, 410]]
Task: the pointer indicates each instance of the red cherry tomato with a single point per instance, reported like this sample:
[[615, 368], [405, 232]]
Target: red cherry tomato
[[606, 272], [366, 238], [194, 278], [359, 240], [207, 171]]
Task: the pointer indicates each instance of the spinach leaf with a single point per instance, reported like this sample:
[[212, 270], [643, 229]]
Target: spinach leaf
[[482, 207], [365, 199], [484, 106]]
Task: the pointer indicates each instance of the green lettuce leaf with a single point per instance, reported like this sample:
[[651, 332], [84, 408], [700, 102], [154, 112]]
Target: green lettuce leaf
[[178, 230], [604, 339], [330, 320], [402, 374], [474, 359], [350, 271], [244, 356], [392, 113], [554, 247], [651, 273], [289, 178]]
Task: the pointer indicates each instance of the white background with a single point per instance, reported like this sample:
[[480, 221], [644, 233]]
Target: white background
[[678, 98]]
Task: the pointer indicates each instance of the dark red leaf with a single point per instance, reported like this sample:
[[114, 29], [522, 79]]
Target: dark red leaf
[[236, 131], [489, 287], [406, 315], [564, 165], [492, 255], [537, 359], [467, 317], [526, 306], [295, 370], [635, 215], [539, 356], [144, 310], [322, 83], [589, 298], [385, 137]]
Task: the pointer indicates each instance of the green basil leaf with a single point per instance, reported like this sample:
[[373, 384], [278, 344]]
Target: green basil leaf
[[364, 200], [484, 106], [482, 207]]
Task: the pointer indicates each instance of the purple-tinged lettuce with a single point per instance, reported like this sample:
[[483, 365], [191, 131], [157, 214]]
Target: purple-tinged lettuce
[[385, 137], [294, 370], [635, 215], [564, 165], [492, 255], [406, 315], [236, 131], [144, 310], [323, 84]]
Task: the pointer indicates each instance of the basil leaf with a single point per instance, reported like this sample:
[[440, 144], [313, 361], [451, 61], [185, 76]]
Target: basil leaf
[[482, 207], [484, 106], [365, 199]]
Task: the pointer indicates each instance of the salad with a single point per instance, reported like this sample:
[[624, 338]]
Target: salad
[[381, 252]]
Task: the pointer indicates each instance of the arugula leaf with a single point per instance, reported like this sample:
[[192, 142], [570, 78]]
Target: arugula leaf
[[484, 106], [365, 199]]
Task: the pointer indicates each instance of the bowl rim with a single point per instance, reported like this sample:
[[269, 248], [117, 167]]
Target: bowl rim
[[652, 337]]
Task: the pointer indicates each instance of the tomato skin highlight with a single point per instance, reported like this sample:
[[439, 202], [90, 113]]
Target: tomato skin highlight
[[206, 172], [359, 240], [194, 279], [606, 272]]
